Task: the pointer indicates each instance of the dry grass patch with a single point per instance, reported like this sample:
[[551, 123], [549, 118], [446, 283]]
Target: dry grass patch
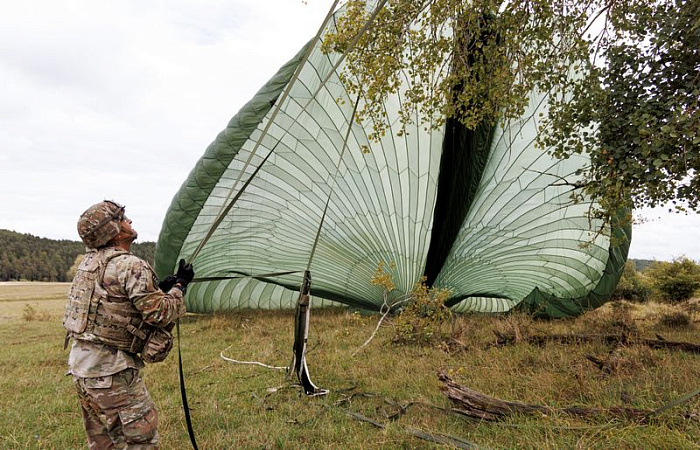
[[396, 386]]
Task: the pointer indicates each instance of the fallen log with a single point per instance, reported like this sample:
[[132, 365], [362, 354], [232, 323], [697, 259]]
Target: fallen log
[[480, 406], [503, 339]]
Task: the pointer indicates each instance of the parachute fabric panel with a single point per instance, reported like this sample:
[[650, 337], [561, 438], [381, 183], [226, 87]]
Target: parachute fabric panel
[[193, 194], [524, 238], [380, 209], [542, 305]]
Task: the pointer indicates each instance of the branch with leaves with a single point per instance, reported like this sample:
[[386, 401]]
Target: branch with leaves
[[621, 78]]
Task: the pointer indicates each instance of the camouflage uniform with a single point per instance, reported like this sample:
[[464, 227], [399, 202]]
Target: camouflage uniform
[[117, 409]]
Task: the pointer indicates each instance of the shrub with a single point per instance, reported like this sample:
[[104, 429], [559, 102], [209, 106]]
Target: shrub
[[632, 285], [620, 319], [675, 281], [30, 314], [424, 318], [676, 320]]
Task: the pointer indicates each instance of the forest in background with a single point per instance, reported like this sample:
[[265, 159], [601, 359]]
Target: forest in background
[[24, 257]]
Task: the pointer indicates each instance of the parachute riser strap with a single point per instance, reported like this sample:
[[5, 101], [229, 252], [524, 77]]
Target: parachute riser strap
[[261, 277], [183, 390], [303, 310], [300, 325], [298, 366]]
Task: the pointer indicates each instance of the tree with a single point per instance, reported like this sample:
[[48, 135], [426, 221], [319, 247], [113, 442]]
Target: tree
[[622, 77], [675, 281], [6, 269], [649, 108]]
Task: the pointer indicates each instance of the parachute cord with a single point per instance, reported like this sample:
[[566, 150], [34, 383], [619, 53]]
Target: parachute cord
[[183, 391], [278, 106], [333, 184], [228, 207], [231, 360], [261, 277]]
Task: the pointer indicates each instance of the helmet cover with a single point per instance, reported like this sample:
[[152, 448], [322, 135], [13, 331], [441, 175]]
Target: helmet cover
[[99, 224]]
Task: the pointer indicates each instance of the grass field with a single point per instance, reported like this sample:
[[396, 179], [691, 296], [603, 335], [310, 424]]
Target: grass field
[[244, 406]]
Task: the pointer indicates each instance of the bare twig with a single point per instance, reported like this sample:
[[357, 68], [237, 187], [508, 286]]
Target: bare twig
[[563, 181], [439, 438], [452, 441]]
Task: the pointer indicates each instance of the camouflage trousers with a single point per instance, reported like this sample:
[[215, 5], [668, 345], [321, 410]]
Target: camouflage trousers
[[118, 411]]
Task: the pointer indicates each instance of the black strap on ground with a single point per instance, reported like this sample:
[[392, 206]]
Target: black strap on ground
[[183, 391]]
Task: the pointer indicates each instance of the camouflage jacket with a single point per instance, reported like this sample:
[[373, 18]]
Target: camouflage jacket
[[125, 276]]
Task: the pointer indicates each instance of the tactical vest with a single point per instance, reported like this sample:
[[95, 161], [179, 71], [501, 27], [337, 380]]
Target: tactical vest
[[93, 315]]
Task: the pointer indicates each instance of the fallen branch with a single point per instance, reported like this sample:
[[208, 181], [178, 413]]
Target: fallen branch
[[480, 406], [611, 362], [439, 438], [361, 418], [503, 339]]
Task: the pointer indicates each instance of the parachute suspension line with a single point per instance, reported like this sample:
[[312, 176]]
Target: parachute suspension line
[[228, 207], [302, 314], [333, 184], [262, 276]]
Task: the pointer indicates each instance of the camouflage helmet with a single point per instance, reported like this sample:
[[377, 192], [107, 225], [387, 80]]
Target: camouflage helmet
[[99, 224]]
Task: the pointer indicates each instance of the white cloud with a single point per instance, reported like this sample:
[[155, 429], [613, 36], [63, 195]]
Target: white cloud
[[665, 236], [118, 100]]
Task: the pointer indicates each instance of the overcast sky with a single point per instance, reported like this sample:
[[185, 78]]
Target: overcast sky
[[103, 99]]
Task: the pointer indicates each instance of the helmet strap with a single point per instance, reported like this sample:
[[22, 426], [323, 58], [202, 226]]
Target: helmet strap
[[125, 241]]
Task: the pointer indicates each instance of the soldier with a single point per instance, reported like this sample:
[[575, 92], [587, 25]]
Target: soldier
[[118, 316]]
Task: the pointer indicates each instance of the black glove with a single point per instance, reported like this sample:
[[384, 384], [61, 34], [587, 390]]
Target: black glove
[[167, 283], [185, 274]]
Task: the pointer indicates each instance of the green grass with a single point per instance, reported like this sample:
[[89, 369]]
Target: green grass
[[397, 386]]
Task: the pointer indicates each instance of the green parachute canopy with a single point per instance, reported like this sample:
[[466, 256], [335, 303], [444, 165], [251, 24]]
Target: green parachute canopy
[[480, 212]]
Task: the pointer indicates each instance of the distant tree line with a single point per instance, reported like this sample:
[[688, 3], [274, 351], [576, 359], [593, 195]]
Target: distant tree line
[[31, 258], [642, 264]]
